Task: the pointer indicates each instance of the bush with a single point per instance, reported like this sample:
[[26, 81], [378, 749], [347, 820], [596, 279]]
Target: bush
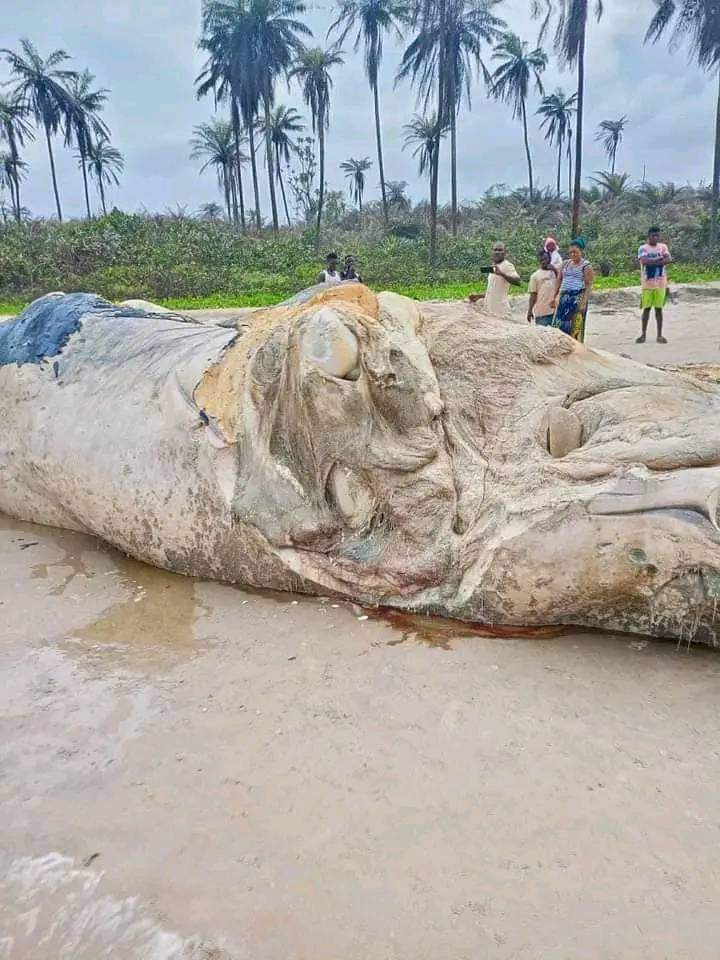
[[180, 258]]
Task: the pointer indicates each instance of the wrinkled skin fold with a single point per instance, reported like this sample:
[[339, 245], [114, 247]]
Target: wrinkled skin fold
[[366, 446]]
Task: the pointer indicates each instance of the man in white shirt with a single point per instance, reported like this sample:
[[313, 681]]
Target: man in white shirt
[[541, 288], [502, 274]]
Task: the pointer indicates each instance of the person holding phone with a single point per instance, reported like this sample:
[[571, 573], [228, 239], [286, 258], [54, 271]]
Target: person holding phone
[[501, 276]]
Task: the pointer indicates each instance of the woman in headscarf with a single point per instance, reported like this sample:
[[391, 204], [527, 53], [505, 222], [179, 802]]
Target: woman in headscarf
[[556, 260], [573, 291]]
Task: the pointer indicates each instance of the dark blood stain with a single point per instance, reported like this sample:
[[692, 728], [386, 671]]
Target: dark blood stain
[[439, 631]]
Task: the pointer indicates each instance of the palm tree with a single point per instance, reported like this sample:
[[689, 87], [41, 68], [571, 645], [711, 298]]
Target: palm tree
[[273, 44], [441, 60], [211, 211], [396, 191], [610, 134], [105, 164], [570, 43], [698, 21], [82, 122], [312, 70], [215, 143], [41, 85], [14, 130], [284, 122], [12, 171], [223, 76], [372, 19], [257, 41], [423, 133], [355, 171], [557, 112], [612, 184], [511, 80]]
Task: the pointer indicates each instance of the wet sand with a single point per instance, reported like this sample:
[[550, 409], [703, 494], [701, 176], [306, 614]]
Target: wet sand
[[189, 770], [192, 770]]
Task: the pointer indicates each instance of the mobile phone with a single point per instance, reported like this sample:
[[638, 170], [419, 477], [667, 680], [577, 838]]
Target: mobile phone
[[487, 269]]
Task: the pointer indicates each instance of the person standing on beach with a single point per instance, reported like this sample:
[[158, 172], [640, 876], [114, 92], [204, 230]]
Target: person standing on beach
[[542, 292], [654, 257], [330, 274], [502, 274], [572, 292]]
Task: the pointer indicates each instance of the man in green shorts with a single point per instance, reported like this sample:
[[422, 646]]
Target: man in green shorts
[[654, 257]]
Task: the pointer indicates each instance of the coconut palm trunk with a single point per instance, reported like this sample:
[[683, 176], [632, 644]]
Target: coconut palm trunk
[[282, 185], [232, 193], [378, 140], [453, 152], [253, 167], [52, 172], [527, 151], [226, 191], [270, 161], [15, 180], [83, 167], [235, 117], [15, 195], [577, 186], [321, 191], [559, 166], [715, 202], [102, 196]]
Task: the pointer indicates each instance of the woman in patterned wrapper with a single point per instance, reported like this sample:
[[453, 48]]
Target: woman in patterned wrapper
[[573, 290]]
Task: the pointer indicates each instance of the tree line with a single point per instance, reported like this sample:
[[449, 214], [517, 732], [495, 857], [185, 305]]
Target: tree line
[[451, 45], [252, 45]]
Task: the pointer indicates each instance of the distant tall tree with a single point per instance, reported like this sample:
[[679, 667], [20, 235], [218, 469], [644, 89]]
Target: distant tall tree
[[224, 77], [372, 19], [610, 135], [557, 111], [14, 130], [441, 61], [211, 211], [214, 142], [12, 171], [355, 171], [302, 178], [510, 82], [258, 39], [275, 41], [82, 121], [42, 85], [312, 70], [105, 164], [423, 133], [612, 184], [570, 42], [284, 122], [397, 194], [698, 22]]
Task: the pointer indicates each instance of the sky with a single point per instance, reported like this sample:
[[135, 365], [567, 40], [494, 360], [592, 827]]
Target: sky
[[145, 53]]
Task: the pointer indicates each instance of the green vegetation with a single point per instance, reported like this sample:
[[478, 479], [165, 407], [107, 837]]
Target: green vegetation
[[189, 262]]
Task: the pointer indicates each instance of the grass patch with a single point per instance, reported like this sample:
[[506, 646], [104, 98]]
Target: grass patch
[[680, 273]]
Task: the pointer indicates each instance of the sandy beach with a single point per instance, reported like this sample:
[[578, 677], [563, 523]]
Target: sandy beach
[[192, 770]]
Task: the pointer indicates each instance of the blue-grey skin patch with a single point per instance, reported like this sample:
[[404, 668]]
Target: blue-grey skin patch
[[43, 328]]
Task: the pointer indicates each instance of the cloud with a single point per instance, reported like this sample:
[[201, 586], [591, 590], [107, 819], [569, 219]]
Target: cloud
[[146, 54]]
